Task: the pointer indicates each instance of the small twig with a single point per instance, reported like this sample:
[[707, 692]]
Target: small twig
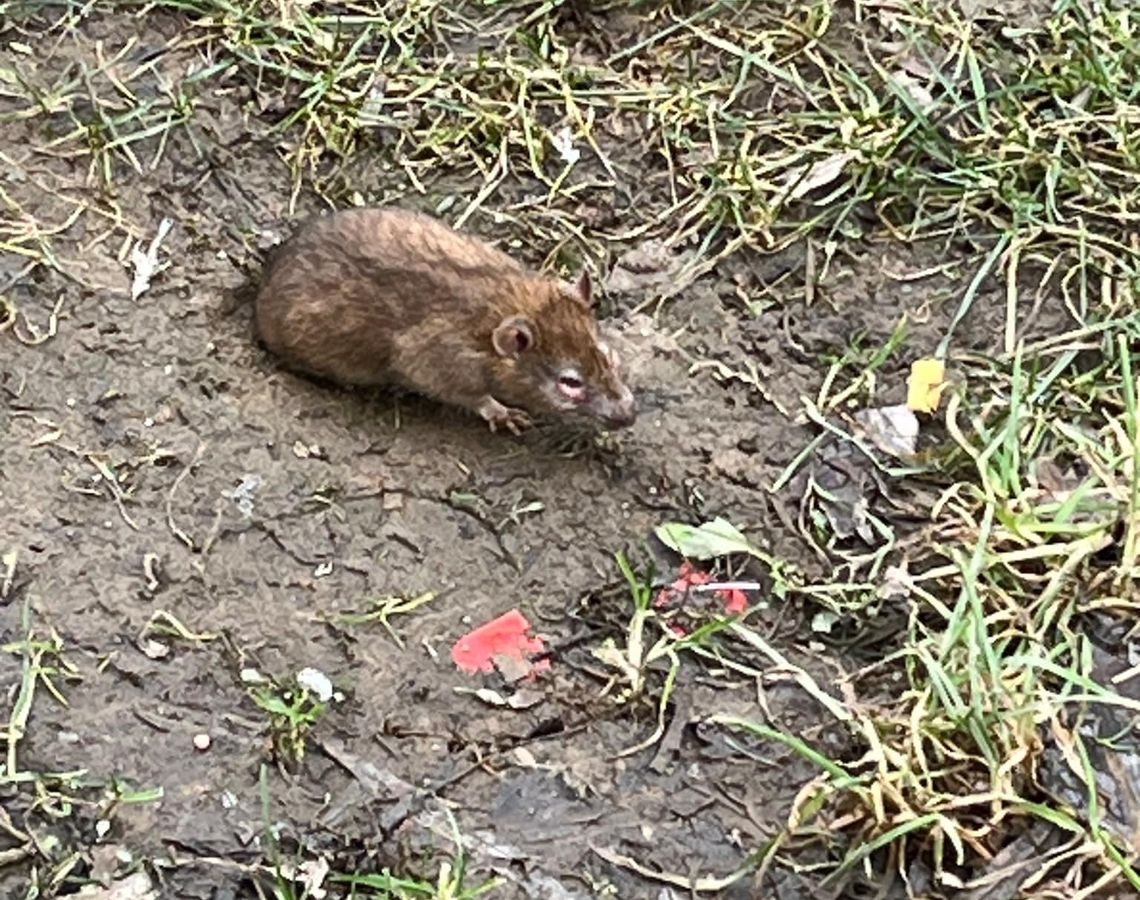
[[113, 486], [174, 529]]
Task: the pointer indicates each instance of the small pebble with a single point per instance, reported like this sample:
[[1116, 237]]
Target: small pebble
[[202, 741]]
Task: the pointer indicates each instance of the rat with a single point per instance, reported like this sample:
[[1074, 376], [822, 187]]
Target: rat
[[388, 296]]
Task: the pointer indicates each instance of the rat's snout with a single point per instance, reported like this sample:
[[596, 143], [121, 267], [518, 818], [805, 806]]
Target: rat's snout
[[621, 411]]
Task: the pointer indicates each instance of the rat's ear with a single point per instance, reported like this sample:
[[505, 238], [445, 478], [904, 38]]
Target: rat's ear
[[514, 337], [580, 291]]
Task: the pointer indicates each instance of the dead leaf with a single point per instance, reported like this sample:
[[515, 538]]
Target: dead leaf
[[913, 88], [802, 180], [311, 874], [893, 429]]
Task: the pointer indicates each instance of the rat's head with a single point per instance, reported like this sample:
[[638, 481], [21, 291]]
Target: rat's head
[[557, 357]]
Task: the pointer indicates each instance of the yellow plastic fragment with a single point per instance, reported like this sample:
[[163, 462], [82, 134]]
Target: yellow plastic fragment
[[925, 384]]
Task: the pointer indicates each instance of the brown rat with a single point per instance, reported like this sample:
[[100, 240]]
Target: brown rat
[[386, 296]]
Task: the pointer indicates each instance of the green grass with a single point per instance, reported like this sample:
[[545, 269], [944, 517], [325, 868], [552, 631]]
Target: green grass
[[760, 128], [292, 710], [302, 879], [43, 667], [731, 130], [1020, 550], [42, 806]]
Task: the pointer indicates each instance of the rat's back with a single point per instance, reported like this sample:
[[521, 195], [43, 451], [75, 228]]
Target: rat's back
[[339, 294]]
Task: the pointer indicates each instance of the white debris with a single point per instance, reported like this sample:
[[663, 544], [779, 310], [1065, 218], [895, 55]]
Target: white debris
[[316, 682], [145, 262], [563, 142]]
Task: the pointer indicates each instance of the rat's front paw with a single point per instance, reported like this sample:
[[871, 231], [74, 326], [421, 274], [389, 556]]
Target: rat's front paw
[[514, 420], [499, 416]]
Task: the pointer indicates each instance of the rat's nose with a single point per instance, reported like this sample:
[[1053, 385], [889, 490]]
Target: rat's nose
[[624, 412]]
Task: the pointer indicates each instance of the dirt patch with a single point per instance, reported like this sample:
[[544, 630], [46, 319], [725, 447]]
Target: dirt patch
[[157, 466]]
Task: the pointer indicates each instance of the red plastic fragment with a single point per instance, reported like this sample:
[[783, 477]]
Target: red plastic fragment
[[689, 575], [735, 600], [686, 578], [503, 638]]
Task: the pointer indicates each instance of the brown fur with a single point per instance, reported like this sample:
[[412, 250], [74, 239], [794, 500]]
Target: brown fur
[[387, 296]]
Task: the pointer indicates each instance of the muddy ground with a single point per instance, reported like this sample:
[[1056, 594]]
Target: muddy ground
[[253, 506]]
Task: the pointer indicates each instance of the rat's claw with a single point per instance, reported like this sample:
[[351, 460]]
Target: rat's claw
[[514, 420], [499, 416], [519, 421]]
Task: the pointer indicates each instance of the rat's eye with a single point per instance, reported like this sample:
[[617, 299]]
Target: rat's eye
[[570, 384]]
